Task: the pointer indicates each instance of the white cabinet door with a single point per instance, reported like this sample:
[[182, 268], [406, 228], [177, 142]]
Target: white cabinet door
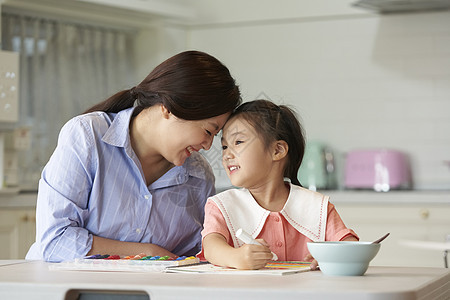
[[17, 232], [404, 222]]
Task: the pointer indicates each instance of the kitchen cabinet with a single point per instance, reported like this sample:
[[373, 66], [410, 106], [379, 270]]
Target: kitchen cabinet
[[17, 232], [17, 224], [418, 216]]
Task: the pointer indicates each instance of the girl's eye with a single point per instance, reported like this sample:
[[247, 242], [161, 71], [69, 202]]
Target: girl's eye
[[208, 132]]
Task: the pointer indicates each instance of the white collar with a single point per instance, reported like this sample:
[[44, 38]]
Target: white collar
[[305, 210]]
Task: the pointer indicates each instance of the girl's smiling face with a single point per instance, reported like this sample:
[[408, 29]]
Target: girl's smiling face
[[245, 158]]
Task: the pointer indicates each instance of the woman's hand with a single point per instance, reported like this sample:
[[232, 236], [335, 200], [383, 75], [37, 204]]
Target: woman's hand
[[102, 245]]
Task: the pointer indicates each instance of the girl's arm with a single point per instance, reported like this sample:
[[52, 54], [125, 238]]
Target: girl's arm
[[350, 238], [218, 252]]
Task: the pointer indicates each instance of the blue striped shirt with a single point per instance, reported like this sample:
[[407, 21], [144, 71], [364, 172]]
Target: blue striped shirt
[[93, 184]]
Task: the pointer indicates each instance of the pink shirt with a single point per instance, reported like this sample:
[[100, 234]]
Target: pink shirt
[[284, 240]]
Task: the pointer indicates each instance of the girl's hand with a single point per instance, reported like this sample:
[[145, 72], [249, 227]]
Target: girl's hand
[[252, 257], [314, 263]]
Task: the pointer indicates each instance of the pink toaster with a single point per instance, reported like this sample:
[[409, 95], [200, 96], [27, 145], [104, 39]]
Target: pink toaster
[[378, 169]]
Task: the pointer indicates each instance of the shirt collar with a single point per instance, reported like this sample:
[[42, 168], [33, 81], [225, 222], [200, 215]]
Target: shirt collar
[[195, 166], [118, 134], [305, 210]]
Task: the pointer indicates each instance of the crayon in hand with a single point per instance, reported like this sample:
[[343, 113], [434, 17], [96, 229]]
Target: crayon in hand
[[248, 239]]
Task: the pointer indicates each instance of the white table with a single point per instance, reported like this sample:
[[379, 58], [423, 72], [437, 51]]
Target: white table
[[34, 280]]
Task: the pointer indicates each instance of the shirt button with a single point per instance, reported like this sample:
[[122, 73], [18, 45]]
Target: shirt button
[[138, 230], [277, 219], [279, 244], [147, 197]]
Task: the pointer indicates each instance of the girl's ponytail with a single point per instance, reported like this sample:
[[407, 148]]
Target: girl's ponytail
[[293, 134]]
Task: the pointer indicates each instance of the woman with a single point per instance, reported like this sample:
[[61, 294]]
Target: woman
[[125, 177]]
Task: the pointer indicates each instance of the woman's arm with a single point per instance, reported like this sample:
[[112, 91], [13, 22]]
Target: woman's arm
[[218, 252], [102, 245]]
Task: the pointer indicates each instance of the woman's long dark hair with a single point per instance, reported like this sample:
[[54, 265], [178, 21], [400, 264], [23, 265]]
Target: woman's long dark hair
[[273, 123], [192, 85]]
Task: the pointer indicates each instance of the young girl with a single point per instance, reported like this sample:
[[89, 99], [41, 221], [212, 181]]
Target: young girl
[[262, 144]]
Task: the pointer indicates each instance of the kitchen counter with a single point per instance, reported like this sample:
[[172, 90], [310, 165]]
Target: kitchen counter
[[391, 197], [34, 280], [15, 199]]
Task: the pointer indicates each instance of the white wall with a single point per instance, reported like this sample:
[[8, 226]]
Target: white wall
[[156, 44], [358, 80]]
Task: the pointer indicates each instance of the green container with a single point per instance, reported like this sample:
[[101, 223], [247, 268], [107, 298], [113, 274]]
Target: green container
[[318, 170]]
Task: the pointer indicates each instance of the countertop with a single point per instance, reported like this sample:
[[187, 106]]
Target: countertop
[[14, 199], [35, 280], [421, 197], [433, 197]]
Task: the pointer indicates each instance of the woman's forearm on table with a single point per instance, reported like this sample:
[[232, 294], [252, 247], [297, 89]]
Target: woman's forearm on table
[[102, 245]]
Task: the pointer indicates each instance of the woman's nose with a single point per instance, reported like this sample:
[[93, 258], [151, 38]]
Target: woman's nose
[[208, 143]]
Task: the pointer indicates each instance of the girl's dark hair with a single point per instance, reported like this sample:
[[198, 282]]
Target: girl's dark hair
[[192, 85], [273, 123]]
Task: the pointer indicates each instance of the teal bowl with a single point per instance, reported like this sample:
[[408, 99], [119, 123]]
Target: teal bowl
[[343, 258]]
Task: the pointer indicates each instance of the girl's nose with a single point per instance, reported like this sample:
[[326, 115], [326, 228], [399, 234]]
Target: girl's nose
[[227, 154]]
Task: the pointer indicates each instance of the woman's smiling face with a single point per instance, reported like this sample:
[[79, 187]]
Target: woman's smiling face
[[185, 137], [244, 157]]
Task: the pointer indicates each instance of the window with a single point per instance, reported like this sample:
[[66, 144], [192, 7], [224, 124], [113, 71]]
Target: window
[[65, 67]]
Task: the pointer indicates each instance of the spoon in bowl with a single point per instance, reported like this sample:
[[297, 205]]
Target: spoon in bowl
[[380, 239]]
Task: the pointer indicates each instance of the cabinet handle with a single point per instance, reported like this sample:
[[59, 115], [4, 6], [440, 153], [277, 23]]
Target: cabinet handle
[[424, 213], [27, 218]]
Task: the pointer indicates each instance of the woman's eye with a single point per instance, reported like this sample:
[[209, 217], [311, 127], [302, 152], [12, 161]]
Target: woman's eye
[[208, 132], [224, 147], [238, 142]]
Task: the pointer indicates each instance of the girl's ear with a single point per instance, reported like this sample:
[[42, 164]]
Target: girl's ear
[[280, 150]]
